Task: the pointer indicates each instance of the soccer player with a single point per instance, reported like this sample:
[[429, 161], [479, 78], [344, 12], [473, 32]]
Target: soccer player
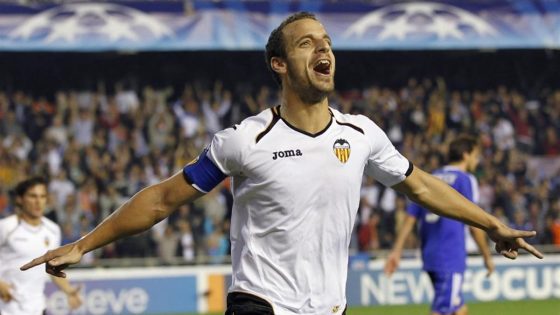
[[296, 172], [23, 236], [443, 240]]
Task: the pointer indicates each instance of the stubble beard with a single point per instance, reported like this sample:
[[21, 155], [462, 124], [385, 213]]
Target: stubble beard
[[308, 91]]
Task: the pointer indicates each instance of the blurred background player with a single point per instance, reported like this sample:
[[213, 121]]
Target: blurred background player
[[23, 236], [443, 240]]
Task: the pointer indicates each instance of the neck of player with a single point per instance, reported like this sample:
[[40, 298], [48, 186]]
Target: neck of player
[[31, 220], [460, 165], [311, 118]]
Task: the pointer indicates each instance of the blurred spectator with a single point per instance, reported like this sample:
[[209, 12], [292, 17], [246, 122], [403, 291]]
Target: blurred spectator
[[60, 187], [81, 125], [70, 214], [369, 197], [524, 132], [436, 117], [88, 197], [11, 169], [57, 132], [4, 203], [186, 112], [69, 235], [18, 145], [167, 244], [160, 127], [187, 241], [552, 233], [74, 168], [520, 222], [504, 134], [215, 109], [38, 117], [52, 157], [10, 125], [551, 145], [217, 244], [126, 99], [555, 230]]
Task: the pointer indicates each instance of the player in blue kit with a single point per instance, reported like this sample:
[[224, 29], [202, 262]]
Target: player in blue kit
[[443, 239]]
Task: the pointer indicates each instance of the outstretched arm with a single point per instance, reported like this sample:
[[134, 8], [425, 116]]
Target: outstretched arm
[[142, 211], [394, 258], [435, 195]]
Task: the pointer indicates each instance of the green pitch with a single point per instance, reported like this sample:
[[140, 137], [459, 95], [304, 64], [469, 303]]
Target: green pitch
[[544, 307]]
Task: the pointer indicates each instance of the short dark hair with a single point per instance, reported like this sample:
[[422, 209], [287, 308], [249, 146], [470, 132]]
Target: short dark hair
[[276, 46], [459, 146], [23, 186]]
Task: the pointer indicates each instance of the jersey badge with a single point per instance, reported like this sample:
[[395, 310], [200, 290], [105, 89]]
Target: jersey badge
[[341, 149], [47, 241]]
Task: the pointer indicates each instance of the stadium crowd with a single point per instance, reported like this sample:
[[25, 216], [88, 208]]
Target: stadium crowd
[[99, 147]]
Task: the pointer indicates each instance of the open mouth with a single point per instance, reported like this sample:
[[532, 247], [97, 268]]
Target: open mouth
[[323, 67]]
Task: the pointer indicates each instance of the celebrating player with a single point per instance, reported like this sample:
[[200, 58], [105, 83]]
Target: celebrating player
[[297, 170]]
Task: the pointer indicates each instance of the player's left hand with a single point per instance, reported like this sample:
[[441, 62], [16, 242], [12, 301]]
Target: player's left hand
[[490, 267], [74, 298], [509, 241], [392, 263]]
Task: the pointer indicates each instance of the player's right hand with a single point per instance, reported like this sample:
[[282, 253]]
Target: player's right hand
[[509, 241], [57, 260], [6, 291], [392, 263]]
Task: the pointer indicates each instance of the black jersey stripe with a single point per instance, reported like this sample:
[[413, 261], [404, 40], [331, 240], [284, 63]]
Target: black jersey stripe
[[409, 170], [275, 118], [360, 130]]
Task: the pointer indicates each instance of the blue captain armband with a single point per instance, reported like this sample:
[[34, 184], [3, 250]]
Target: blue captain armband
[[203, 174]]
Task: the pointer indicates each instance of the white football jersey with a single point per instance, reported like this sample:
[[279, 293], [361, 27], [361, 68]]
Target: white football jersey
[[19, 243], [296, 196]]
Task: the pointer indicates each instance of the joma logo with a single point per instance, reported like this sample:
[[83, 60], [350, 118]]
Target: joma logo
[[285, 154]]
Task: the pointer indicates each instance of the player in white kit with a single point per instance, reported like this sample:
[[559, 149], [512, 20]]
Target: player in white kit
[[297, 170], [23, 236]]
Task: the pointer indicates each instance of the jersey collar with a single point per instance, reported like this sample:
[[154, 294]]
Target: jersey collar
[[276, 112]]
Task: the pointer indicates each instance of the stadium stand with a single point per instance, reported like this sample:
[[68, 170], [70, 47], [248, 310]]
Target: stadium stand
[[101, 143]]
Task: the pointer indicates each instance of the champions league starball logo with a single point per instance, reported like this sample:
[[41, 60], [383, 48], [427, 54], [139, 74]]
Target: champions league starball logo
[[99, 21], [420, 20]]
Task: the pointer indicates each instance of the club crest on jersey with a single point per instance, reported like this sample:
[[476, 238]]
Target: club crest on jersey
[[47, 242], [341, 149]]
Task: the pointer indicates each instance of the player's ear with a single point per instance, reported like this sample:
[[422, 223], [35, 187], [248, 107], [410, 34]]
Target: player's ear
[[278, 65], [18, 201]]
